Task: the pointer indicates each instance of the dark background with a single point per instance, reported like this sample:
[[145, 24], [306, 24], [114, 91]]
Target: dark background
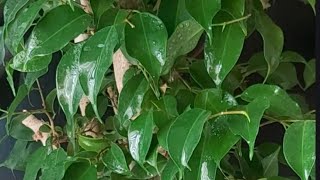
[[295, 18]]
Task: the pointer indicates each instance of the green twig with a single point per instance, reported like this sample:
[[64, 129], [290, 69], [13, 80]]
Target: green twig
[[231, 113], [232, 21], [4, 111]]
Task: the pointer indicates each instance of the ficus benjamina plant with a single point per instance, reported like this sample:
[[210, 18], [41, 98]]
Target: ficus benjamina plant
[[153, 89]]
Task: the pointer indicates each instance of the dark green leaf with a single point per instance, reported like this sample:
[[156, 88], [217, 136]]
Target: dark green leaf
[[131, 97], [114, 160], [214, 100], [51, 97], [272, 40], [277, 98], [236, 10], [95, 59], [184, 135], [81, 171], [203, 12], [170, 170], [21, 24], [222, 55], [93, 144], [240, 125], [53, 167], [313, 4], [10, 10], [19, 130], [183, 40], [266, 149], [2, 47], [140, 136], [270, 164], [199, 74], [299, 147], [184, 98], [165, 110], [147, 42], [309, 73], [233, 80], [99, 7], [290, 56], [34, 163]]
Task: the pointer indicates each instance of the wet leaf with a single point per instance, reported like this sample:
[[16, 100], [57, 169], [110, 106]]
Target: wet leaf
[[299, 147], [184, 135], [140, 136], [114, 160], [203, 12], [147, 42], [95, 60]]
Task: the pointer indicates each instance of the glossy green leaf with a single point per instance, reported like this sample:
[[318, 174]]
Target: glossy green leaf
[[18, 130], [273, 40], [199, 74], [95, 59], [184, 135], [53, 167], [309, 73], [81, 171], [114, 160], [170, 170], [165, 110], [277, 98], [233, 80], [270, 164], [24, 63], [11, 9], [266, 149], [99, 7], [236, 9], [202, 163], [291, 56], [148, 172], [21, 24], [147, 42], [183, 40], [222, 55], [203, 12], [172, 13], [93, 144], [249, 130], [131, 97], [140, 136], [69, 91], [299, 147], [214, 100], [34, 163], [152, 156]]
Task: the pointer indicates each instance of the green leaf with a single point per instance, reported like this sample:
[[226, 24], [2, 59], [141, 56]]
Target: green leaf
[[214, 100], [184, 135], [140, 136], [114, 160], [309, 73], [95, 60], [273, 40], [266, 149], [203, 12], [50, 99], [21, 24], [222, 55], [11, 9], [249, 130], [270, 164], [277, 98], [24, 63], [233, 80], [81, 171], [18, 130], [170, 170], [53, 167], [202, 163], [131, 97], [183, 40], [34, 163], [93, 144], [99, 7], [2, 47], [313, 4], [184, 98], [199, 74], [69, 91], [290, 56], [165, 110], [236, 10], [147, 42], [299, 147]]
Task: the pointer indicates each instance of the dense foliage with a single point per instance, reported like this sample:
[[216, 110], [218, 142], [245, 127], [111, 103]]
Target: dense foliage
[[153, 88]]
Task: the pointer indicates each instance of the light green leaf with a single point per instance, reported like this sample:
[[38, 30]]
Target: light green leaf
[[114, 160], [131, 98], [183, 40], [249, 130], [53, 167], [140, 136], [11, 9], [277, 98], [23, 21], [95, 60], [203, 12], [93, 144], [270, 164], [25, 63], [170, 170], [273, 40], [222, 55], [147, 42], [291, 56], [9, 72], [309, 73], [299, 147], [184, 135], [81, 171], [313, 4], [34, 163]]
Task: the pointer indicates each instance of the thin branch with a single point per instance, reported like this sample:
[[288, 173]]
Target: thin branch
[[231, 113], [232, 21], [4, 111]]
